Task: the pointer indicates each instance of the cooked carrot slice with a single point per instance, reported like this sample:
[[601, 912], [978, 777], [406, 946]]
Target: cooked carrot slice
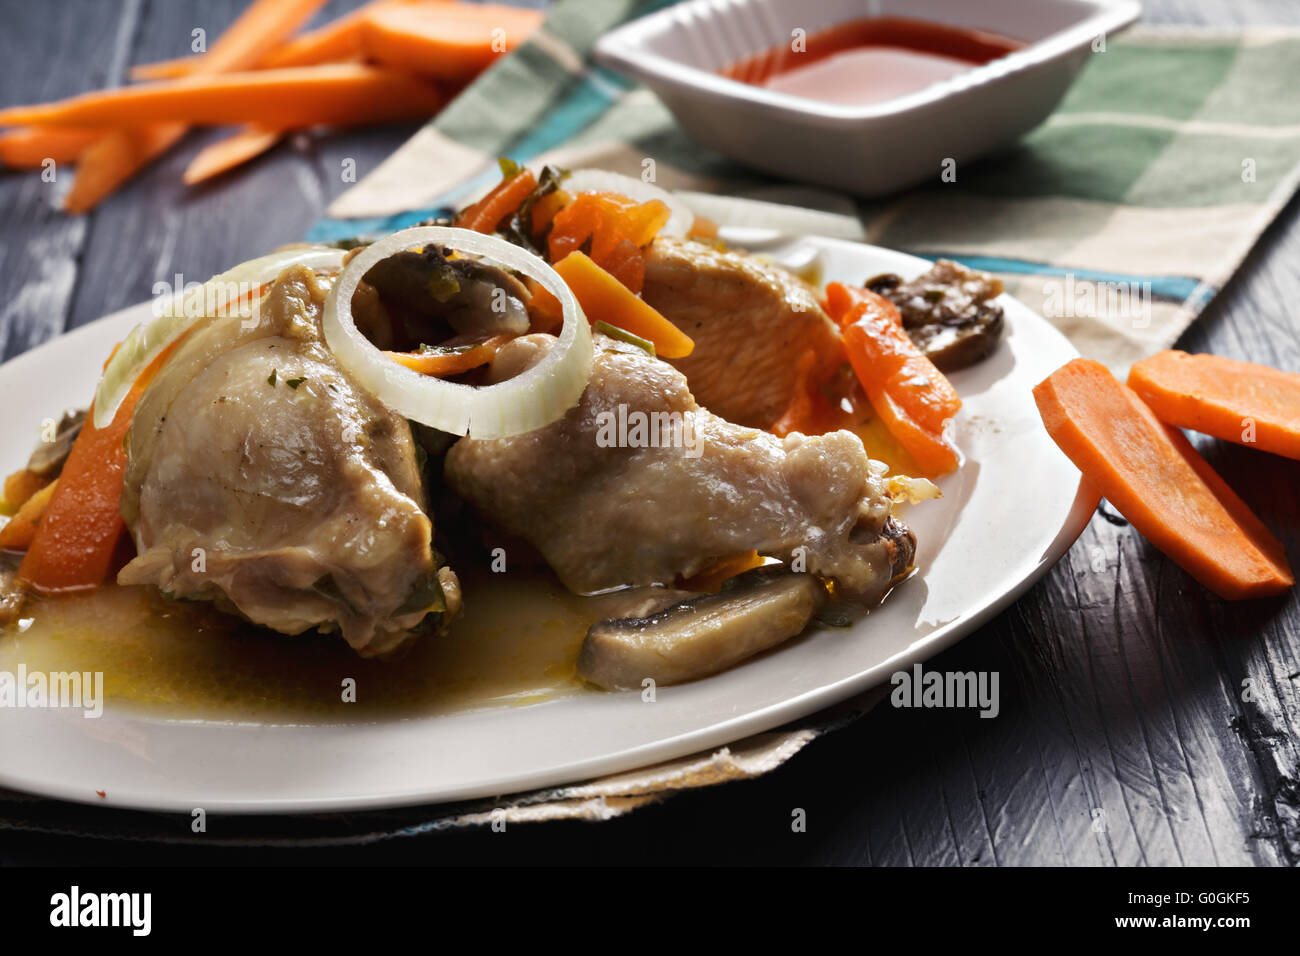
[[450, 41], [1156, 479], [442, 364], [20, 486], [842, 299], [809, 411], [17, 535], [605, 299], [79, 531], [504, 199], [1241, 402]]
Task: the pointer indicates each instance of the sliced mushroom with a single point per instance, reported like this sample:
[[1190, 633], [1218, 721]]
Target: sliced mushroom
[[48, 458], [704, 635], [948, 312], [468, 295]]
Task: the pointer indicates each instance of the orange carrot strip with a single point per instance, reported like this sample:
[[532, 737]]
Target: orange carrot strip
[[226, 154], [445, 40], [1156, 479], [809, 411], [883, 356], [842, 299], [506, 197], [74, 543], [442, 364], [261, 28], [18, 534], [298, 96], [20, 486], [605, 299], [1237, 401], [120, 154], [340, 39], [713, 577], [29, 147], [114, 158]]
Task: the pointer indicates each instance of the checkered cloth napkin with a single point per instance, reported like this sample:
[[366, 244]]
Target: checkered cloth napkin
[[1118, 219]]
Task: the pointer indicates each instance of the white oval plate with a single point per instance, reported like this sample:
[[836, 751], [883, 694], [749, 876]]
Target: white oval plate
[[1006, 516]]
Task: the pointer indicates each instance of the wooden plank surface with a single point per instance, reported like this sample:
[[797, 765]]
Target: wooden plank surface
[[1143, 722]]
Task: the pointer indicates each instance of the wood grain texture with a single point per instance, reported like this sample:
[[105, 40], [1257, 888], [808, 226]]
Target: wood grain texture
[[1143, 721]]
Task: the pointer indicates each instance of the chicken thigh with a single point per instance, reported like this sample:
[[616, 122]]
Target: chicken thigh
[[261, 477]]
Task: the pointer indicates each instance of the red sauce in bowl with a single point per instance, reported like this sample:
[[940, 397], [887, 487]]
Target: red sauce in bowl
[[870, 60]]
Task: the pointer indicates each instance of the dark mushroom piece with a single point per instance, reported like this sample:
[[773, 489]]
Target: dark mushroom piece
[[48, 458], [703, 635], [948, 312]]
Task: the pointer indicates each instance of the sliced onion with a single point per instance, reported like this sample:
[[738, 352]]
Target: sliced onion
[[530, 400], [148, 339], [600, 180]]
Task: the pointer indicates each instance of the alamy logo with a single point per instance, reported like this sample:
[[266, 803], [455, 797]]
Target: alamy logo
[[921, 688], [74, 908], [83, 690], [633, 428]]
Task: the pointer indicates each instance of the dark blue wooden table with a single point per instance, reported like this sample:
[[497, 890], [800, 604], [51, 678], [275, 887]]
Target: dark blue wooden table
[[1143, 721]]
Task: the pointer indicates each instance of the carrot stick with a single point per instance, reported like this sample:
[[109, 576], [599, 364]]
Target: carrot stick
[[507, 196], [28, 147], [18, 534], [19, 486], [338, 40], [446, 40], [225, 154], [1237, 401], [605, 299], [332, 42], [300, 96], [116, 157], [443, 364], [842, 299], [1156, 479], [261, 28], [73, 546], [166, 69]]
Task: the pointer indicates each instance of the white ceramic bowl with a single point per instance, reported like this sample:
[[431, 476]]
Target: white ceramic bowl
[[868, 150]]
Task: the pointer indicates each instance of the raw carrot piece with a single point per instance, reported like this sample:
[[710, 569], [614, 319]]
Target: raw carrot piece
[[449, 41], [338, 40], [114, 158], [119, 155], [1237, 401], [1155, 478], [225, 154], [332, 93], [17, 535], [842, 299], [29, 146], [442, 364], [260, 29], [605, 299], [505, 197], [75, 541]]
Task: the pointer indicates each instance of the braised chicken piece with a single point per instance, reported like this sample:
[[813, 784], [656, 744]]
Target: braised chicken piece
[[607, 507], [751, 322], [261, 477]]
